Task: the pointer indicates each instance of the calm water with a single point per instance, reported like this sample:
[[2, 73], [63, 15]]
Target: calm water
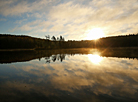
[[88, 75]]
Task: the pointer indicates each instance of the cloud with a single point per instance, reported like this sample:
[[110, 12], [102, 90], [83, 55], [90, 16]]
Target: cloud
[[2, 19], [73, 19], [111, 16], [16, 7], [68, 11]]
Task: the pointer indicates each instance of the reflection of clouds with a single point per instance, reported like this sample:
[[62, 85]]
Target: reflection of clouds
[[106, 76], [111, 73], [114, 76]]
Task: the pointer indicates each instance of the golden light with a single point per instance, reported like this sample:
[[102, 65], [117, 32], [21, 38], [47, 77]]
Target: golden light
[[96, 59], [94, 34]]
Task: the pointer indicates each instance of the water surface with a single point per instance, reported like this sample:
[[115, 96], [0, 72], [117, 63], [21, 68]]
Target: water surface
[[78, 75]]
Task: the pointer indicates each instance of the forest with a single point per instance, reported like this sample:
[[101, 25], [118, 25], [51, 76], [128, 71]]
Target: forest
[[8, 41]]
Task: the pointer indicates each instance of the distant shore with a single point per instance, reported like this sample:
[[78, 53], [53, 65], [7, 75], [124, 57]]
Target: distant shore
[[27, 43]]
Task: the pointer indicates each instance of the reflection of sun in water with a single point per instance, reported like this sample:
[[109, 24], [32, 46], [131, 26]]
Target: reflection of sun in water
[[96, 59], [95, 33]]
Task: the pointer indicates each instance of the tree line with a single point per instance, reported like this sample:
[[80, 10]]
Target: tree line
[[8, 41], [130, 40]]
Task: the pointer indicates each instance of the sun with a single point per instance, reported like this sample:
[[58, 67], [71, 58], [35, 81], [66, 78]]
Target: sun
[[94, 34]]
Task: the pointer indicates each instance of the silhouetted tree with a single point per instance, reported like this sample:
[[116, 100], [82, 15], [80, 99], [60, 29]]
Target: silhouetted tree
[[61, 38], [47, 37], [58, 39], [47, 59], [54, 58], [53, 38]]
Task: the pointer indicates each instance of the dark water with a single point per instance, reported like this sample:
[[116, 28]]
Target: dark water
[[78, 75]]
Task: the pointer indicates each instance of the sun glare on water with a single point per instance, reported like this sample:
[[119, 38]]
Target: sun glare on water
[[96, 59], [94, 34]]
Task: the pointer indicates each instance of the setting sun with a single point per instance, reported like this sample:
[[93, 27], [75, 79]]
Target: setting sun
[[94, 34]]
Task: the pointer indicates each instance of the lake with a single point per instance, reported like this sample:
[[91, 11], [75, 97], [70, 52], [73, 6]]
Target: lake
[[70, 75]]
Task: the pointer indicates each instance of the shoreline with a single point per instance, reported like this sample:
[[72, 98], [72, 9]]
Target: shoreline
[[6, 50], [1, 50]]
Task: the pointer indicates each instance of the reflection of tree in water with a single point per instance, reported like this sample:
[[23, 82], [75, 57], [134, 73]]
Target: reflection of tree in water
[[53, 58], [39, 59], [47, 59], [24, 56]]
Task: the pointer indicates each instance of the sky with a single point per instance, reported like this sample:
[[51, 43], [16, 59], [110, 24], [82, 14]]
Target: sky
[[72, 19]]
